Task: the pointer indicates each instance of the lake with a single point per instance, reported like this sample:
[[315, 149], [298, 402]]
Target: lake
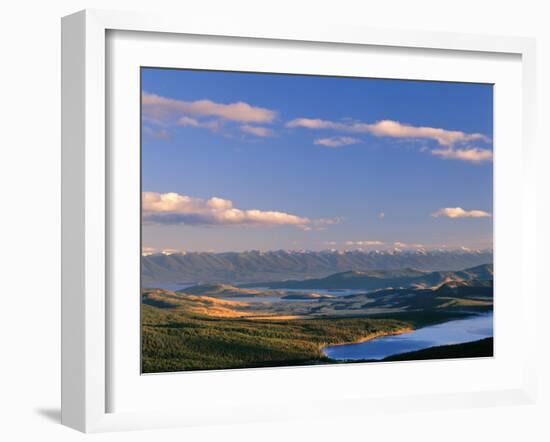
[[333, 292], [285, 292], [451, 332]]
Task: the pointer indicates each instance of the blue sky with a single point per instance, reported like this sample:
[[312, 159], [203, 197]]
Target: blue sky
[[241, 161]]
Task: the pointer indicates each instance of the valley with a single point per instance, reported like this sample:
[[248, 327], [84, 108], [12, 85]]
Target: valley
[[222, 325]]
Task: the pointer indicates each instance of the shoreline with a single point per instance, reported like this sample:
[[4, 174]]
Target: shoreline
[[400, 331]]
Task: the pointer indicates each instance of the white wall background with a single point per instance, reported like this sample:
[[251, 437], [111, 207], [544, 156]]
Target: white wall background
[[29, 215]]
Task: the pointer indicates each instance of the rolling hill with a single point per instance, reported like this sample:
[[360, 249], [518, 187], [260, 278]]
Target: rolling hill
[[220, 290], [374, 280], [197, 331]]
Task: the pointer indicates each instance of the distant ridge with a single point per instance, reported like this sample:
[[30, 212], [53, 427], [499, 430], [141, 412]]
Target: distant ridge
[[373, 280], [255, 266]]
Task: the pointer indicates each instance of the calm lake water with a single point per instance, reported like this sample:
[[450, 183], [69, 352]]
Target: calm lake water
[[284, 292], [451, 332], [332, 292]]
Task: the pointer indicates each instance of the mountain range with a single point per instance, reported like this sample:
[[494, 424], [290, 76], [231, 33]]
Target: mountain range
[[384, 279], [281, 265]]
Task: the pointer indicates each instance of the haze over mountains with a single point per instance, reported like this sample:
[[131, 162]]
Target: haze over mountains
[[379, 279], [280, 265]]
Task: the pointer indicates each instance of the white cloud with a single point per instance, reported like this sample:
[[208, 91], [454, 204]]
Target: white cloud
[[365, 243], [327, 221], [259, 131], [213, 125], [164, 112], [188, 121], [146, 251], [392, 129], [459, 212], [159, 134], [158, 107], [472, 155], [169, 252], [315, 123], [336, 141], [381, 215], [219, 203], [404, 245], [173, 208], [318, 225]]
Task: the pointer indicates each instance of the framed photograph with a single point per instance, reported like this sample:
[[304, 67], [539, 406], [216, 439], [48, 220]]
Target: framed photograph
[[345, 244], [263, 222]]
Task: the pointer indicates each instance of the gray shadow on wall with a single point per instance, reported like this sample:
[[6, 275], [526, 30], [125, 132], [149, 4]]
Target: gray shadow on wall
[[51, 414]]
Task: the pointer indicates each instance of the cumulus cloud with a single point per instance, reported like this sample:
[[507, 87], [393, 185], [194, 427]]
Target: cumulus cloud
[[394, 129], [205, 114], [390, 128], [336, 141], [459, 212], [173, 208], [472, 154], [315, 123], [156, 106], [259, 131]]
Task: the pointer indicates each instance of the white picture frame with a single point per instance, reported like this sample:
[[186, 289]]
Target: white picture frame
[[86, 202]]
